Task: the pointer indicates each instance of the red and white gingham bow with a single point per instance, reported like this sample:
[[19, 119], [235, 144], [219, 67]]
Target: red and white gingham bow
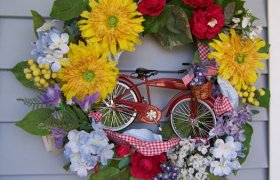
[[222, 105], [97, 116], [143, 147], [203, 50]]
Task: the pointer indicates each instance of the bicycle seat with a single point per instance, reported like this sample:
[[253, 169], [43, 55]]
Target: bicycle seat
[[145, 73]]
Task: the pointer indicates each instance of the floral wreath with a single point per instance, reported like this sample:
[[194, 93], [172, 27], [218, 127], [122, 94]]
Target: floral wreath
[[74, 70]]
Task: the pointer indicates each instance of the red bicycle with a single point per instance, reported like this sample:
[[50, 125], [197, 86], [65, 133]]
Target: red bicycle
[[189, 116]]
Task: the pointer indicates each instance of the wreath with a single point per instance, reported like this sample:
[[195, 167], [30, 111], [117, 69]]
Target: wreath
[[85, 104]]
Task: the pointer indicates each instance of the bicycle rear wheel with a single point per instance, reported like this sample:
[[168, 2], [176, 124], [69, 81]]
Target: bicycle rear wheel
[[112, 118], [184, 125]]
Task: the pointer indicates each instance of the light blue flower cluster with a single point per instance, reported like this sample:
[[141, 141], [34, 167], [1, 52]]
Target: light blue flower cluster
[[84, 149], [51, 45], [225, 154]]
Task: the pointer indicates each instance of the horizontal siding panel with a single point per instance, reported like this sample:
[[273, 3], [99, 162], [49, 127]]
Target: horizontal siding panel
[[19, 8], [24, 154], [11, 89], [243, 174], [147, 55]]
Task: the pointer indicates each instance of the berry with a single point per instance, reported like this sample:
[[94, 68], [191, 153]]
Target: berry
[[36, 72], [244, 100], [245, 94], [37, 79], [262, 93], [28, 76], [30, 62], [41, 66], [47, 76], [26, 70], [42, 81], [253, 88]]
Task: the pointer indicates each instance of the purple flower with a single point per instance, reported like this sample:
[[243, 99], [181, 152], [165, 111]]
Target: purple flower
[[231, 123], [58, 135], [52, 96], [87, 101]]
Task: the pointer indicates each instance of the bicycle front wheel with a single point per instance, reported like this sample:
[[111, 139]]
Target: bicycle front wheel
[[112, 118], [185, 123]]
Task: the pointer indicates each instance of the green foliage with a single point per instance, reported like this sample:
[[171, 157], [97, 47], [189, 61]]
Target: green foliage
[[167, 131], [18, 72], [124, 162], [66, 167], [229, 11], [33, 122], [71, 27], [106, 173], [265, 49], [34, 103], [38, 21], [65, 119], [212, 177], [124, 174], [196, 58], [247, 143], [182, 5], [68, 9], [171, 27], [264, 100]]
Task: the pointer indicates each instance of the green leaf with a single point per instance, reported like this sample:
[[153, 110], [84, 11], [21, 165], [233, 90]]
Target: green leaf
[[212, 177], [265, 49], [18, 72], [196, 58], [255, 112], [229, 12], [124, 174], [32, 122], [124, 162], [176, 31], [68, 9], [167, 131], [247, 143], [66, 167], [38, 21], [265, 99], [80, 114], [106, 173]]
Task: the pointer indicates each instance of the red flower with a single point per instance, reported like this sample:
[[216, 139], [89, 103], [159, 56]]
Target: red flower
[[146, 166], [207, 24], [151, 7], [199, 3], [122, 150]]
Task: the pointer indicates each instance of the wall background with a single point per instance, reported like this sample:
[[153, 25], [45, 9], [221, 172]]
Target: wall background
[[23, 156]]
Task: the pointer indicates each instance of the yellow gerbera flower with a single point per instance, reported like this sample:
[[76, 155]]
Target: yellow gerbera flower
[[114, 24], [239, 59], [86, 73]]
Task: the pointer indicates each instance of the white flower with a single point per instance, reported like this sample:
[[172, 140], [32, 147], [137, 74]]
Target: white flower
[[46, 26], [227, 150], [203, 149], [80, 167], [224, 167], [73, 137], [246, 21], [59, 42], [236, 20], [55, 66]]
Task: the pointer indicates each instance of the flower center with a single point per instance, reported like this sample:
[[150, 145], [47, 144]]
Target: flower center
[[212, 23], [113, 21], [88, 76], [240, 59]]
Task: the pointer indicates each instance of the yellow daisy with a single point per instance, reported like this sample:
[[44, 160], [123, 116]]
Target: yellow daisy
[[86, 73], [114, 24], [239, 59]]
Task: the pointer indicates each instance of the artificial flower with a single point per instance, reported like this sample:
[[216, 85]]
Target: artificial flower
[[122, 150], [198, 3], [206, 24], [85, 105], [85, 150], [114, 24], [52, 96], [58, 135], [86, 73], [227, 149], [239, 58], [224, 167], [151, 7], [146, 167]]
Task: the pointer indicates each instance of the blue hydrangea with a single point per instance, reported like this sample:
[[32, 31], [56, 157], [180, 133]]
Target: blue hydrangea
[[85, 150], [51, 45]]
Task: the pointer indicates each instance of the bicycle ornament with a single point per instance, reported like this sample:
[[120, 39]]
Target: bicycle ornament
[[86, 105]]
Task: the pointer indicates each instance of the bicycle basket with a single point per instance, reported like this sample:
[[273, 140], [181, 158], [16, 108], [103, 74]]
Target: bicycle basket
[[202, 92]]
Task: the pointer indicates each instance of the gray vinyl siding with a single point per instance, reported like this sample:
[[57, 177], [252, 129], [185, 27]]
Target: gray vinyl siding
[[23, 157]]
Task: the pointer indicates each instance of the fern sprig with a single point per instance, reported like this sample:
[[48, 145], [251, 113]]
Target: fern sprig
[[35, 102]]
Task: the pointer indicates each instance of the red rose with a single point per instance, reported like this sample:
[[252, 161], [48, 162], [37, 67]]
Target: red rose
[[199, 3], [207, 24], [151, 7], [122, 150], [146, 166]]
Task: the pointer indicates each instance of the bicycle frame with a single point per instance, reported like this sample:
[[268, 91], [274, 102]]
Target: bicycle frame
[[169, 83]]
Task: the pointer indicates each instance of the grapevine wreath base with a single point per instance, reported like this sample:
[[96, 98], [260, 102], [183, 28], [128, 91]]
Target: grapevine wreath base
[[86, 105]]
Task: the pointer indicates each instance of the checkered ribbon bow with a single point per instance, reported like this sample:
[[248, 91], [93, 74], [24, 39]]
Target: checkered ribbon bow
[[97, 116], [203, 50], [222, 105], [143, 147]]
